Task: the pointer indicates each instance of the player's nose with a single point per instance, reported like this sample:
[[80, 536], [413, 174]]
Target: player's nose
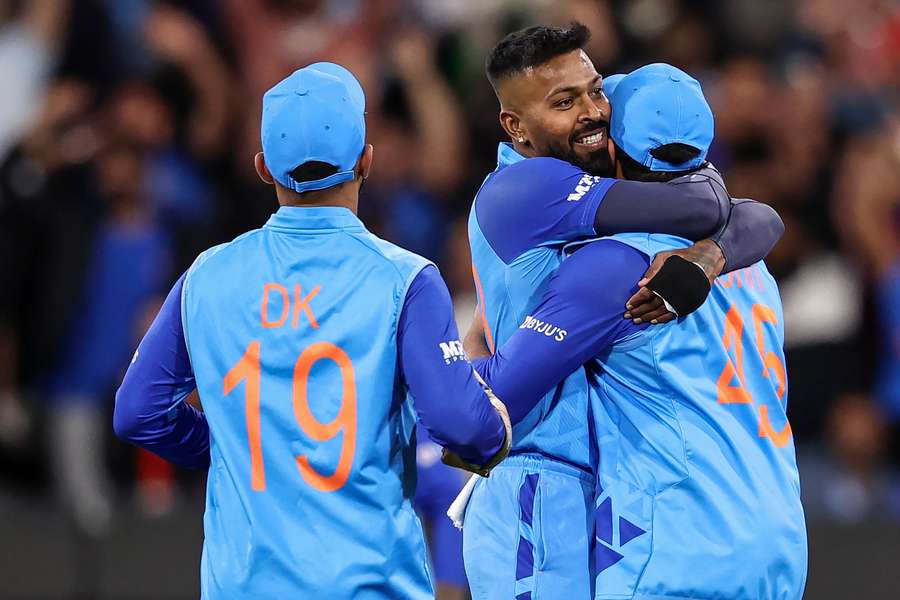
[[592, 111]]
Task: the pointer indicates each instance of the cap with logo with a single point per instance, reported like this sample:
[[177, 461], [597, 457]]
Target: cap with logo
[[315, 114], [659, 104]]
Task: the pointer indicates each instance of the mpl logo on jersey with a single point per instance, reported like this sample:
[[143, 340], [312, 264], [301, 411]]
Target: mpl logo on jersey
[[584, 185], [545, 327], [453, 351]]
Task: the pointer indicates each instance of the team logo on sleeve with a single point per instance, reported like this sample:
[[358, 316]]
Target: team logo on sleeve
[[453, 351], [545, 327], [584, 185]]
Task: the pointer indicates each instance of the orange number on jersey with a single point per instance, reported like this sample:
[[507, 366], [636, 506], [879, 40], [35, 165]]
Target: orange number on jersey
[[734, 330], [345, 421], [771, 363], [248, 368], [731, 394]]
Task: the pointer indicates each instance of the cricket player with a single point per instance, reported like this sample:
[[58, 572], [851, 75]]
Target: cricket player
[[529, 527], [303, 339], [697, 492]]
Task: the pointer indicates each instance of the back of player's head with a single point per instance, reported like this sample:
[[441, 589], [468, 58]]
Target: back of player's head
[[675, 153], [531, 47], [313, 128], [313, 170], [661, 124]]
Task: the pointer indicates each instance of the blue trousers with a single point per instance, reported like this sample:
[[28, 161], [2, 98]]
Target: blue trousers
[[527, 532]]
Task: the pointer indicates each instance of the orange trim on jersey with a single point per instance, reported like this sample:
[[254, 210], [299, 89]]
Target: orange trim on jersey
[[487, 329]]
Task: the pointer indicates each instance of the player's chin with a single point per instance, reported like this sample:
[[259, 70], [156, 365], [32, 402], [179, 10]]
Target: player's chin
[[594, 161]]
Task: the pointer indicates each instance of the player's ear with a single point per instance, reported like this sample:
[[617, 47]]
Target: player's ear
[[512, 125], [364, 164], [259, 161]]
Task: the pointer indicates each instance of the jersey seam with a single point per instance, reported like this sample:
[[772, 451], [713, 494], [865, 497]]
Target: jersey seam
[[207, 255], [507, 303], [674, 404], [478, 219], [590, 223], [217, 250], [583, 220], [676, 412], [378, 252], [398, 305], [673, 485]]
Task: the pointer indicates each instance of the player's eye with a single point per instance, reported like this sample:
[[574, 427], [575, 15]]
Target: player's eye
[[598, 91], [564, 103]]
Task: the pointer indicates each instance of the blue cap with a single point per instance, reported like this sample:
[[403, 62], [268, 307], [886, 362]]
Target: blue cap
[[315, 114], [610, 82], [659, 104]]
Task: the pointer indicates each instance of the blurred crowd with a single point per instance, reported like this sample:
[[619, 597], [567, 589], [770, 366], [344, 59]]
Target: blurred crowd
[[128, 127]]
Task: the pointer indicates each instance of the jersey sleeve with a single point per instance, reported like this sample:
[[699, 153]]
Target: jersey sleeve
[[695, 206], [150, 409], [580, 315], [691, 208], [751, 232], [449, 401], [537, 202]]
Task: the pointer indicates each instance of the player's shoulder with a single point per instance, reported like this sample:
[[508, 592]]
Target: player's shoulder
[[220, 252], [536, 202], [545, 165], [596, 279], [535, 178], [533, 184], [402, 261]]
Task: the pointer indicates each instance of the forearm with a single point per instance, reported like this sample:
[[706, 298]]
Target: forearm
[[751, 232], [151, 411], [179, 433], [580, 315]]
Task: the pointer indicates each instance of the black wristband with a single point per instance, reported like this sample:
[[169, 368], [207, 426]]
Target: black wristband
[[682, 284]]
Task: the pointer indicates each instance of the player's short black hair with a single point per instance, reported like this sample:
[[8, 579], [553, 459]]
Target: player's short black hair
[[313, 170], [531, 47], [671, 153]]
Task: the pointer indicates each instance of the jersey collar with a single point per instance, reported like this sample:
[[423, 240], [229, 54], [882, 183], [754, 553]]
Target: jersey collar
[[314, 217], [507, 155]]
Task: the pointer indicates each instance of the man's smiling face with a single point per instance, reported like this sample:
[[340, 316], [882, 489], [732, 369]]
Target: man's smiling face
[[563, 112]]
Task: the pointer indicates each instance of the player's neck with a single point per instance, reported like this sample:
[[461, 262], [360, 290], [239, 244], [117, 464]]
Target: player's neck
[[343, 196], [526, 150]]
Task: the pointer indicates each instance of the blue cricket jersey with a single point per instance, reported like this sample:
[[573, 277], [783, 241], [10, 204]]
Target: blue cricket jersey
[[527, 209], [524, 213], [314, 346], [520, 218], [698, 492]]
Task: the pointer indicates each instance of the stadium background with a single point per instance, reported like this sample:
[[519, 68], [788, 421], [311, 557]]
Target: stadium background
[[127, 130]]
